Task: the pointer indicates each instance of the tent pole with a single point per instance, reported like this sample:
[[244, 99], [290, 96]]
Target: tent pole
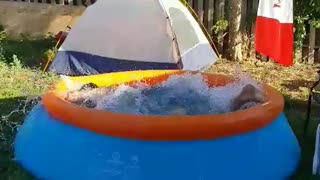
[[58, 42], [204, 30], [55, 48]]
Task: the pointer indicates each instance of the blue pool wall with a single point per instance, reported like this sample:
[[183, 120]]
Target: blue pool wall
[[51, 150]]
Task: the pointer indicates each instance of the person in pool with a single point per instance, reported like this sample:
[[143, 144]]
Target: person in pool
[[89, 94], [249, 96]]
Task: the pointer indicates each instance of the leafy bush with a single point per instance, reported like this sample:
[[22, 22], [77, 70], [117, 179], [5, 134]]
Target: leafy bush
[[220, 26], [306, 13], [2, 38]]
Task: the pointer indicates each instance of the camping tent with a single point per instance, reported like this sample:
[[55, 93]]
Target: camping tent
[[126, 35]]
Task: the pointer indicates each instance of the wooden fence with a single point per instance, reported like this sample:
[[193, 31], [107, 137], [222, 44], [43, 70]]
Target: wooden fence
[[210, 11], [61, 2]]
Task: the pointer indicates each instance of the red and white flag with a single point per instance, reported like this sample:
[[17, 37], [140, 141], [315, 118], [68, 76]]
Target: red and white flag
[[274, 30]]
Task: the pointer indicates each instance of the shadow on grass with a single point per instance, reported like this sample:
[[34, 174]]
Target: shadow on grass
[[30, 51], [296, 112], [9, 169], [294, 85]]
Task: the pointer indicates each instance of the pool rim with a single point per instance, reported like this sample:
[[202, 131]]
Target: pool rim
[[165, 128]]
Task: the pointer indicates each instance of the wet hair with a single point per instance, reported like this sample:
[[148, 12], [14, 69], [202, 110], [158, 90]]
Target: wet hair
[[246, 99], [88, 86]]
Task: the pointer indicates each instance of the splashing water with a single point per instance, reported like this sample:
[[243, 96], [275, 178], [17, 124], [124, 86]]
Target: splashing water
[[186, 94], [10, 123], [69, 83]]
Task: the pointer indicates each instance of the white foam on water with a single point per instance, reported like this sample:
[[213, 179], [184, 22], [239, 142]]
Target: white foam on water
[[123, 99], [71, 85], [186, 94]]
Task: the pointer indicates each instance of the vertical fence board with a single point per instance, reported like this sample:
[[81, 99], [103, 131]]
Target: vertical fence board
[[317, 46], [60, 2], [317, 37], [198, 8], [254, 7], [312, 43], [83, 2], [208, 14], [66, 2], [317, 55], [195, 6], [249, 24], [87, 2], [244, 15], [219, 14], [76, 2], [298, 52]]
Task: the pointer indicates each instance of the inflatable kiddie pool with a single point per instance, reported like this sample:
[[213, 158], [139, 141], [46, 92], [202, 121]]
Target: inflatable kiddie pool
[[60, 140]]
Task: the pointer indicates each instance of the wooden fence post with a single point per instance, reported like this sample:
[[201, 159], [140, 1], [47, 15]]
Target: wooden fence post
[[317, 46], [312, 43], [298, 52], [219, 14], [317, 55], [190, 2], [251, 13], [60, 2], [77, 2], [66, 2], [198, 8], [208, 14]]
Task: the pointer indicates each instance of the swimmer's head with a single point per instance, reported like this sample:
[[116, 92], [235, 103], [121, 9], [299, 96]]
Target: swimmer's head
[[88, 86], [251, 93]]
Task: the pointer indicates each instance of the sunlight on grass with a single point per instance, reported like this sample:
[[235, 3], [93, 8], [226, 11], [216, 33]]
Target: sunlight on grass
[[17, 81]]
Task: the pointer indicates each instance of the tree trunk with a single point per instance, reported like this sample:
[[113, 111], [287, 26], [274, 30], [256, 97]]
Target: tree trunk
[[234, 51]]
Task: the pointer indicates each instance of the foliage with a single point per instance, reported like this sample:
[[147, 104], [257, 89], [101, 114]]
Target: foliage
[[32, 51], [220, 26], [306, 13], [49, 54], [300, 32], [3, 36]]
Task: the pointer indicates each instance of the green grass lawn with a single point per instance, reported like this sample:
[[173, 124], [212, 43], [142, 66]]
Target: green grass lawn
[[17, 84], [21, 78]]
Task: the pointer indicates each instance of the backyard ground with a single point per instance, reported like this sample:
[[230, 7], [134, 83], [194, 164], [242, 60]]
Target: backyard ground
[[21, 78]]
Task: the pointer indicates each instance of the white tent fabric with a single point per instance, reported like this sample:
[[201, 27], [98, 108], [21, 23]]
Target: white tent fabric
[[109, 29], [195, 49], [137, 31]]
